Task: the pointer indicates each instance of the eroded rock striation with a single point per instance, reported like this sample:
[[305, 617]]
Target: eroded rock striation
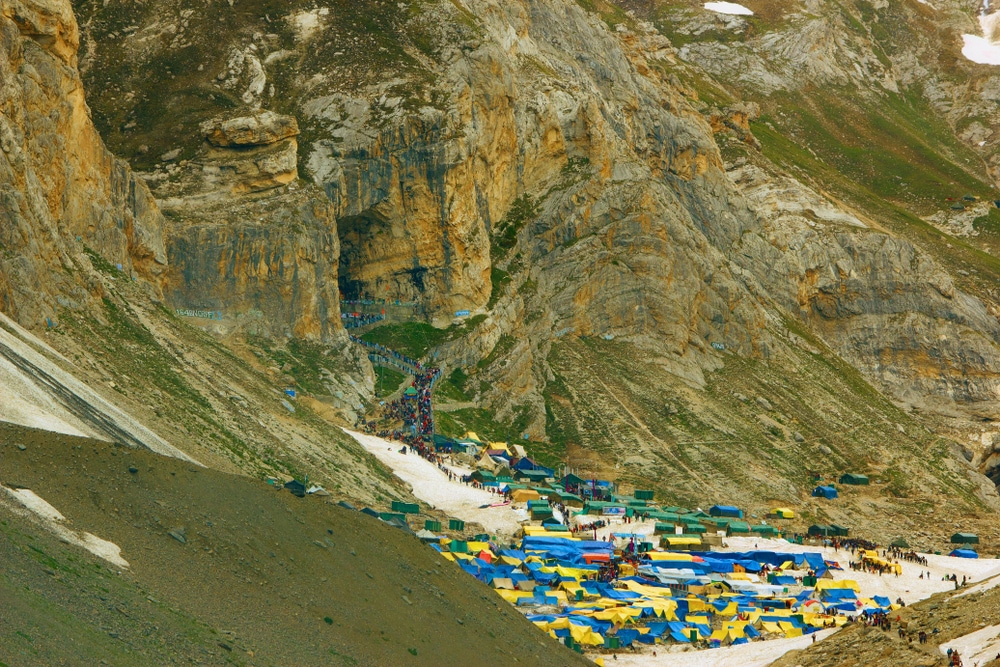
[[64, 199]]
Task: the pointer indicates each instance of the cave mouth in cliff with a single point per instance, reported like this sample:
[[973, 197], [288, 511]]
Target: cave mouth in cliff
[[357, 235], [994, 475], [371, 264]]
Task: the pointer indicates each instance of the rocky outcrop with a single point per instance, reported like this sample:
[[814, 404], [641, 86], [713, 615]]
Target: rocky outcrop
[[260, 129], [61, 191], [252, 248]]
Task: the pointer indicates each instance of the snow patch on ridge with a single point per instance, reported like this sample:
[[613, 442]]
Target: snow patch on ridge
[[984, 50], [730, 8], [34, 506]]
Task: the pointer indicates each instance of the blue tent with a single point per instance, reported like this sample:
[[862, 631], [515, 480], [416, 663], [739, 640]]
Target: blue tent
[[726, 510], [827, 492], [527, 464], [964, 553]]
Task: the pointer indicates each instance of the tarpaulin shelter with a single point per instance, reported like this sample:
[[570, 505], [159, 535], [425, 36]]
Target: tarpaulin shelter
[[964, 553], [524, 495], [965, 538], [783, 513], [827, 492], [527, 464], [838, 530], [854, 479], [726, 510], [900, 543]]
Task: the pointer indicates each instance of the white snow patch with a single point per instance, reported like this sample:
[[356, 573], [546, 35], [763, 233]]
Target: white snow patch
[[981, 645], [754, 654], [35, 392], [984, 50], [980, 50], [36, 507], [980, 588], [730, 8], [434, 488], [36, 504]]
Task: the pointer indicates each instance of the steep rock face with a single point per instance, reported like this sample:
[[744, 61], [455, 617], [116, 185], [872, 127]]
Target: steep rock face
[[882, 303], [61, 191], [268, 267], [251, 247]]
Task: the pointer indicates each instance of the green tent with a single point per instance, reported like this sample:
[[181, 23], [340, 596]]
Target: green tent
[[965, 538], [410, 392], [572, 480], [762, 529], [853, 478], [839, 531], [900, 543], [820, 529], [739, 527]]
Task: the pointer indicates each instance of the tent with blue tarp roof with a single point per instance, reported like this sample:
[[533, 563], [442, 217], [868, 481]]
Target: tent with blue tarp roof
[[882, 600], [838, 594], [626, 636], [785, 580], [726, 510], [964, 553], [827, 492]]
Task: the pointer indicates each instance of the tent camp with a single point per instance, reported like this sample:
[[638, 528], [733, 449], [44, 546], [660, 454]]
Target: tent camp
[[965, 538], [827, 492], [726, 510], [854, 478]]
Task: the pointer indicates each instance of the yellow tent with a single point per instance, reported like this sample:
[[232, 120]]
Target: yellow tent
[[824, 584], [500, 445], [679, 540], [783, 513], [524, 495], [471, 435], [667, 555], [583, 634]]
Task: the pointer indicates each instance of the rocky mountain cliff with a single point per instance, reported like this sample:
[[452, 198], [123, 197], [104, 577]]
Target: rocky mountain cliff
[[665, 257]]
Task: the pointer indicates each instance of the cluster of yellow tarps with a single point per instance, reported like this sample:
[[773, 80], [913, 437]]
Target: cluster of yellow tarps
[[648, 591], [667, 555], [582, 634], [823, 584]]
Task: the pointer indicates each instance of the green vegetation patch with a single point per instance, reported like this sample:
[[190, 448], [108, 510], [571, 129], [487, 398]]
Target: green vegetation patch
[[387, 381]]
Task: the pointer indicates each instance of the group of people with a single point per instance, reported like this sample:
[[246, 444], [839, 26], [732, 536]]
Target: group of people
[[358, 320], [376, 302], [911, 556]]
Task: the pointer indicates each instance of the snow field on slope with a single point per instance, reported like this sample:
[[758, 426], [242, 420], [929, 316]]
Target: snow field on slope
[[434, 488]]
